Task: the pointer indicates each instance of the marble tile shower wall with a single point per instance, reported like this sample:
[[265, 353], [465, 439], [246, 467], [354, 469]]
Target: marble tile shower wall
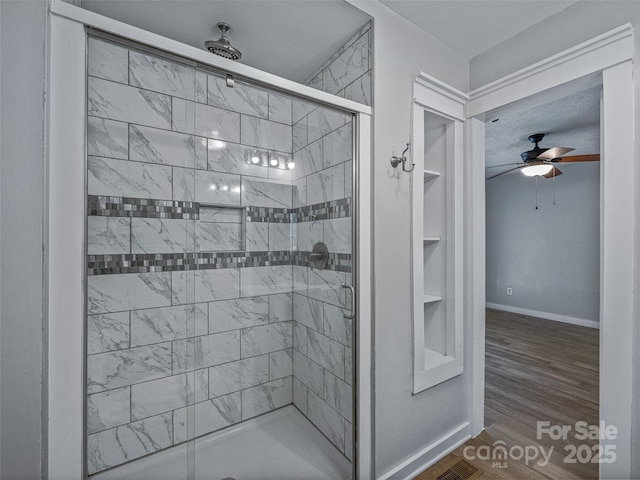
[[322, 337], [167, 182], [348, 71]]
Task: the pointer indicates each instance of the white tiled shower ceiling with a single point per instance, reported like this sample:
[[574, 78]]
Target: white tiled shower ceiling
[[200, 301]]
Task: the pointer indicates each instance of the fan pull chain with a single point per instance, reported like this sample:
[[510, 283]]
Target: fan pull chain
[[536, 193], [554, 187]]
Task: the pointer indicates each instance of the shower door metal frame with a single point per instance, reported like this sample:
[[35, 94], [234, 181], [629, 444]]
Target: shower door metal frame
[[65, 229]]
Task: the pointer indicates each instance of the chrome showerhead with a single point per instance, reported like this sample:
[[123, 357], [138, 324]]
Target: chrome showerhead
[[222, 46]]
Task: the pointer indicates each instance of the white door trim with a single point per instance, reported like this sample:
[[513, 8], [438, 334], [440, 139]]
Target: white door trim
[[611, 55]]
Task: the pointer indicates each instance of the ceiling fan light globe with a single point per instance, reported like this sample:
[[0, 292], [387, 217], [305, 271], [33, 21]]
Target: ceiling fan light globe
[[537, 170]]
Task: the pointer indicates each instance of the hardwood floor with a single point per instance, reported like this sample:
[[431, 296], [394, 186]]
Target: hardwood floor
[[536, 371]]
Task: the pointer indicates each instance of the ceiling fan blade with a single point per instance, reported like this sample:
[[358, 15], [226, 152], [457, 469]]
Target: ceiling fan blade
[[505, 172], [503, 165], [581, 158], [554, 172], [554, 152]]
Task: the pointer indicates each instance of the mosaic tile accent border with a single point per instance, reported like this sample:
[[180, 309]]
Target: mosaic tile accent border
[[141, 207], [173, 262], [324, 211], [339, 262]]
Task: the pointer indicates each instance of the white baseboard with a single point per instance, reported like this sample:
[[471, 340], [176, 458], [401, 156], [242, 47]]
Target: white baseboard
[[547, 316], [430, 454]]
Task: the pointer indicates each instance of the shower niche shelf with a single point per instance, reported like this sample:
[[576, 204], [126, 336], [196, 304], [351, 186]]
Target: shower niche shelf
[[437, 139]]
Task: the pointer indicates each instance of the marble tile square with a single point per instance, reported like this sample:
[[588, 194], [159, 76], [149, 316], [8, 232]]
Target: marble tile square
[[128, 104], [266, 397], [208, 417], [348, 441], [337, 234], [125, 443], [108, 235], [326, 286], [221, 214], [265, 134], [265, 339], [165, 394], [205, 351], [107, 138], [336, 326], [266, 280], [183, 115], [328, 421], [107, 60], [280, 237], [121, 178], [280, 307], [360, 89], [238, 313], [300, 192], [300, 109], [338, 396], [200, 86], [282, 175], [241, 98], [266, 194], [256, 236], [308, 311], [281, 364], [156, 325], [230, 158], [308, 372], [348, 365], [218, 237], [337, 147], [352, 63], [326, 352], [308, 160], [300, 280], [326, 185], [107, 332], [106, 371], [108, 409], [323, 121], [155, 235], [300, 337], [300, 395], [280, 108], [212, 122], [235, 376], [300, 138], [206, 187], [129, 291], [160, 75], [308, 234], [205, 285], [154, 145]]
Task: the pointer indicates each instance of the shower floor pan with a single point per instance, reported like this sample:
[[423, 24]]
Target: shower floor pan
[[281, 445]]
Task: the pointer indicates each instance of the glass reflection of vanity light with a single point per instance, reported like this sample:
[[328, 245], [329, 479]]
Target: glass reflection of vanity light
[[271, 158]]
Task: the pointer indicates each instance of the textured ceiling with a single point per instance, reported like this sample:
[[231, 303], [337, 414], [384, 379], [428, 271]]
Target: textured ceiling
[[287, 38], [471, 27], [570, 121]]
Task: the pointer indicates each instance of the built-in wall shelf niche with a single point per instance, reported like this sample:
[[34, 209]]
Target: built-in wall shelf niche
[[438, 148]]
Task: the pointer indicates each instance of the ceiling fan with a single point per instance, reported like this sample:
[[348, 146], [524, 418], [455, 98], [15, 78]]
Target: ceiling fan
[[540, 161]]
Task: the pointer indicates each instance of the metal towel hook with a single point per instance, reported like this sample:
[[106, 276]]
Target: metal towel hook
[[395, 161]]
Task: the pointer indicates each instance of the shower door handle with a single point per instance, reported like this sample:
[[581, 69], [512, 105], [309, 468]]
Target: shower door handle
[[353, 301]]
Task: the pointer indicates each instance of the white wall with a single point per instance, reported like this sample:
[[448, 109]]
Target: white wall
[[22, 41], [550, 256], [404, 423]]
